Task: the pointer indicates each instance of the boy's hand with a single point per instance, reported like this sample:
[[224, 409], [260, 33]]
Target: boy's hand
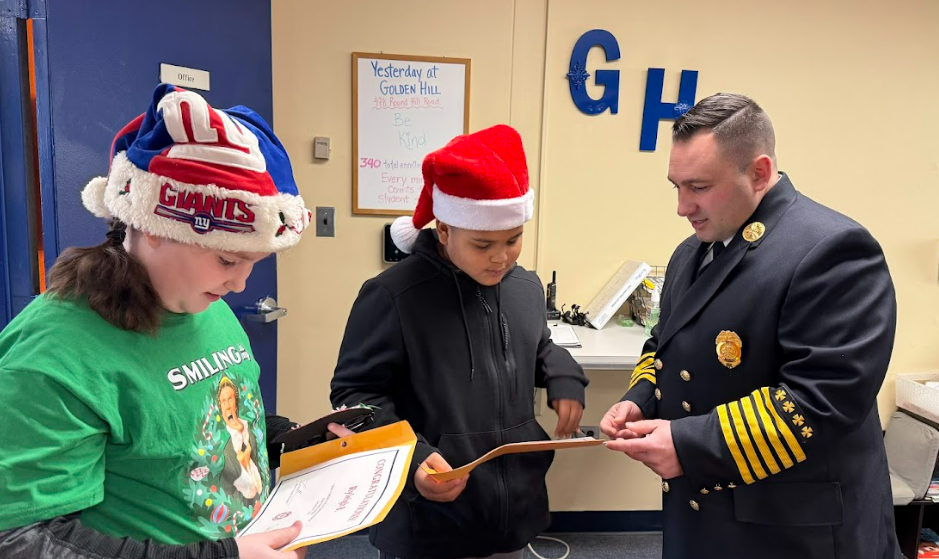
[[439, 491], [569, 414]]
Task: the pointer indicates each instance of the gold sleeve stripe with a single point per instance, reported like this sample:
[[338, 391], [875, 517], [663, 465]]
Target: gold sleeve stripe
[[757, 432], [648, 377], [745, 441], [645, 370], [770, 429], [783, 428], [732, 444]]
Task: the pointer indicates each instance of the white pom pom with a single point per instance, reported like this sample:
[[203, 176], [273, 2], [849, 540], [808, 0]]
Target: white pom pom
[[93, 197], [404, 234]]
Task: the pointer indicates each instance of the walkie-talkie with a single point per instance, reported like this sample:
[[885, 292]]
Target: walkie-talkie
[[552, 295]]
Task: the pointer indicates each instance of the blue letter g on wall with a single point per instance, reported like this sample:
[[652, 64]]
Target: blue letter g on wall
[[609, 79]]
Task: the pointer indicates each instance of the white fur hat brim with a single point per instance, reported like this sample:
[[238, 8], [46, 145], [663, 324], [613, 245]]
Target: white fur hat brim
[[205, 215]]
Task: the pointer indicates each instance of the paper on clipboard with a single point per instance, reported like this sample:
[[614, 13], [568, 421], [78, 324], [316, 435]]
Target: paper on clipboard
[[514, 448], [338, 487]]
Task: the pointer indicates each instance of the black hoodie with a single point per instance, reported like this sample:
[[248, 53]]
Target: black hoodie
[[459, 361]]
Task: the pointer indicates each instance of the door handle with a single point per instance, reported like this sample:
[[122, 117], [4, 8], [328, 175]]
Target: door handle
[[265, 310]]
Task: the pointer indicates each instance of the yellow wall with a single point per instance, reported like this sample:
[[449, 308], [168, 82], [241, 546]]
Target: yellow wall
[[312, 46], [853, 88]]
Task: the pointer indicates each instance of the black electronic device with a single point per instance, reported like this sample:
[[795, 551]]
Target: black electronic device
[[552, 311], [317, 432], [553, 292], [390, 253]]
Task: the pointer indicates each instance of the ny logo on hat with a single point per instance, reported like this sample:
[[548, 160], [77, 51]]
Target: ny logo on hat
[[203, 134]]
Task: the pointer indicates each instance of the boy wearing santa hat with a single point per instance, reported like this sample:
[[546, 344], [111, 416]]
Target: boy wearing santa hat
[[454, 340]]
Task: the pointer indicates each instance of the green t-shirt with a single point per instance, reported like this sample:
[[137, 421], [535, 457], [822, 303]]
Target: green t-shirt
[[152, 437]]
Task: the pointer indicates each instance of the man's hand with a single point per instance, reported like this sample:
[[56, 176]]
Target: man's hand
[[439, 491], [569, 414], [266, 545], [652, 445], [613, 424]]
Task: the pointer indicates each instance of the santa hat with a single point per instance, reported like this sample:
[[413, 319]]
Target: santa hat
[[477, 181], [188, 172]]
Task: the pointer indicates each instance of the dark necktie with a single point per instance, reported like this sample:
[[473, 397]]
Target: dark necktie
[[715, 250]]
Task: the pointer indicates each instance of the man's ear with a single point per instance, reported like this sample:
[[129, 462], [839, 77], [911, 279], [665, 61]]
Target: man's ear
[[761, 172]]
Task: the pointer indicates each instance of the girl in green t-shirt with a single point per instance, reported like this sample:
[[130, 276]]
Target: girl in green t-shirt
[[133, 423]]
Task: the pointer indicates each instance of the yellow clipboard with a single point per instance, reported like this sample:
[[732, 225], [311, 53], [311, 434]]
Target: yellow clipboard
[[396, 434], [389, 436]]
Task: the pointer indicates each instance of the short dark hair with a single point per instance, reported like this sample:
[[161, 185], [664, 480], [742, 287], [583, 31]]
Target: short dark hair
[[740, 126]]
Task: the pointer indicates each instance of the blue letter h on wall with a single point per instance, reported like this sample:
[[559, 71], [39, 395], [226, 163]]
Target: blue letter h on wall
[[655, 110]]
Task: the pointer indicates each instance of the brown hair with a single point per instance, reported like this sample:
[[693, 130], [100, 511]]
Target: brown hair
[[226, 383], [115, 283], [740, 126]]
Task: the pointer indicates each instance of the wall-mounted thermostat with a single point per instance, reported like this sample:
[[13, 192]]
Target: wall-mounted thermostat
[[321, 147]]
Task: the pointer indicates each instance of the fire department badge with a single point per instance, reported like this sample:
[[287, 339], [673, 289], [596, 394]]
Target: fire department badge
[[753, 231], [729, 348]]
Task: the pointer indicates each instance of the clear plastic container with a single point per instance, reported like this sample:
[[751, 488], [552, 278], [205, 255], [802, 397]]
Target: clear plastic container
[[652, 313], [913, 394]]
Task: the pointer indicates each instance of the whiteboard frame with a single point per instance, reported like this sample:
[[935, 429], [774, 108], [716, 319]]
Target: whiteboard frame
[[466, 62]]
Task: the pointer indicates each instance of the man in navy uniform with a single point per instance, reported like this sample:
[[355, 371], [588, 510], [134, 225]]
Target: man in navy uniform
[[755, 399]]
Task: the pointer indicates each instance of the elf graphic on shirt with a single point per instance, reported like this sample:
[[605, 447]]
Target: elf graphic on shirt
[[227, 480], [241, 469]]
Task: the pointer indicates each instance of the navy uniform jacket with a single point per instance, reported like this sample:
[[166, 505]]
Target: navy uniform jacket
[[779, 439]]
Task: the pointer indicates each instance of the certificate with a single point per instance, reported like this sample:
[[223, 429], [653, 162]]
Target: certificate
[[338, 487]]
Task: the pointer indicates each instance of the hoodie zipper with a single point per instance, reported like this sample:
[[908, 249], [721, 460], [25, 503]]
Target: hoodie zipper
[[479, 295], [503, 490]]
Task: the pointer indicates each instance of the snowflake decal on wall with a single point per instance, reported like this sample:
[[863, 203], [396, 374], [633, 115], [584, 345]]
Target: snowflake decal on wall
[[578, 75]]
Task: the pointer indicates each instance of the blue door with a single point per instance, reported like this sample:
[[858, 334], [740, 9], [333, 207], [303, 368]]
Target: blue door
[[96, 64]]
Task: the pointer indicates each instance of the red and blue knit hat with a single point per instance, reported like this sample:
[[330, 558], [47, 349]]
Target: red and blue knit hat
[[188, 172]]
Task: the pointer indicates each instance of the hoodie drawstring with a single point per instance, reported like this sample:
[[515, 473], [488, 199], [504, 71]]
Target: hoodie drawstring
[[469, 340]]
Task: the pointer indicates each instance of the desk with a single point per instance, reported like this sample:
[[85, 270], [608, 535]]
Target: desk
[[614, 348]]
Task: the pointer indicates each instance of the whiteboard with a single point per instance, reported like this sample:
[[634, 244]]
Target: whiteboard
[[404, 107]]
